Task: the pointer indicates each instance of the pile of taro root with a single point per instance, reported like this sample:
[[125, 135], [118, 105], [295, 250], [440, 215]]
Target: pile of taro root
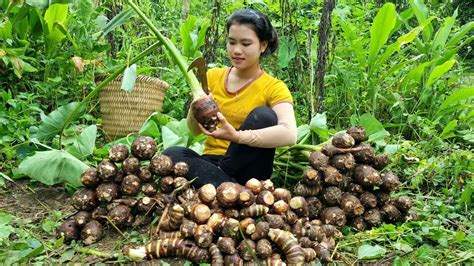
[[234, 224]]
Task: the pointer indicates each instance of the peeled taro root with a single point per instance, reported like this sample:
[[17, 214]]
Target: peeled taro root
[[144, 148], [118, 153], [84, 200], [161, 165], [205, 111], [90, 177], [343, 140], [92, 232], [107, 170], [69, 230]]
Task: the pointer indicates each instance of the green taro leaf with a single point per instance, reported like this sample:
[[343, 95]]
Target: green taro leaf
[[367, 252], [319, 126], [175, 133], [129, 78], [373, 128], [442, 34], [53, 123], [84, 144], [118, 20], [286, 52], [5, 30], [56, 13], [53, 167], [438, 71], [380, 31]]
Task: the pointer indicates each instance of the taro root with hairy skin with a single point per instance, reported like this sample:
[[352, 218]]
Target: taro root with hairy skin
[[203, 236], [205, 111], [331, 175], [246, 197], [92, 232], [332, 195], [144, 147], [261, 230], [131, 185], [90, 177], [180, 169], [106, 192], [343, 162], [166, 184], [131, 165], [145, 174], [150, 189], [161, 165], [334, 216], [69, 230], [230, 227], [118, 153], [382, 197], [119, 176], [343, 140], [226, 245], [390, 181], [274, 220], [351, 205], [314, 207], [369, 200], [107, 170], [82, 217], [357, 133], [99, 214], [380, 161], [282, 194], [288, 243], [358, 223], [391, 213], [373, 217], [317, 160], [367, 176], [246, 248], [146, 204], [180, 182], [306, 191], [403, 203], [188, 228], [84, 200], [217, 258], [290, 217], [120, 214], [365, 155], [233, 259], [264, 248], [311, 177]]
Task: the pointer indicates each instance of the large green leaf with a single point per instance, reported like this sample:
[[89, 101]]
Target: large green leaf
[[175, 133], [461, 33], [187, 36], [5, 30], [421, 13], [448, 130], [459, 95], [56, 13], [367, 252], [379, 32], [53, 123], [286, 52], [416, 73], [118, 20], [442, 34], [319, 126], [374, 129], [84, 144], [53, 167], [438, 71]]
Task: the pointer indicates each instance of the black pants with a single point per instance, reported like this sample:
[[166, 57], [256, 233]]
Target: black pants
[[239, 164]]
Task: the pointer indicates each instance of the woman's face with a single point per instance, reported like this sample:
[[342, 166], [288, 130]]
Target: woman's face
[[244, 47]]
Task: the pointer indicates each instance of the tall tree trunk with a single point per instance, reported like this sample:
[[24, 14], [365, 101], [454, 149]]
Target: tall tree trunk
[[324, 33]]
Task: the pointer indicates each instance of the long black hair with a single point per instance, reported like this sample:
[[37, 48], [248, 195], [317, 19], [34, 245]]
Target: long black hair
[[259, 23]]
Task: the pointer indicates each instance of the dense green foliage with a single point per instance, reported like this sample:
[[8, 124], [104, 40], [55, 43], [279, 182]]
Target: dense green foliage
[[402, 69]]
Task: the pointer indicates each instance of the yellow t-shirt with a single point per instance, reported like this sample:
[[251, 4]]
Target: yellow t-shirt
[[264, 91]]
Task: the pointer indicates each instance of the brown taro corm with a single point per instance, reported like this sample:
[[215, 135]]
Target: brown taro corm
[[144, 148]]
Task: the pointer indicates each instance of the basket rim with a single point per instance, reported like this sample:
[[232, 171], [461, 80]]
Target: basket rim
[[101, 77]]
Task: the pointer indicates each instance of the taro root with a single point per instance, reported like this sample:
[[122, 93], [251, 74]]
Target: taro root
[[351, 205], [314, 207], [118, 153], [282, 194], [264, 248], [180, 183], [130, 185], [254, 210], [200, 213], [306, 191], [146, 204], [373, 217], [288, 243], [233, 259], [246, 248], [145, 174], [247, 225], [161, 165], [391, 213], [150, 189], [203, 236], [299, 205], [355, 188], [332, 195], [99, 214], [261, 230], [367, 176], [92, 232], [120, 214], [144, 147], [343, 162], [357, 133], [246, 197], [84, 200], [180, 169], [280, 207], [265, 197], [365, 155], [106, 192], [268, 185], [216, 255], [90, 178], [119, 176], [358, 223], [331, 175], [130, 202], [205, 111], [305, 242], [207, 193], [166, 184], [290, 217], [226, 245], [228, 194], [254, 185], [334, 216], [69, 230], [230, 227], [390, 181], [311, 177], [107, 170], [188, 228], [131, 165], [369, 200], [380, 161], [309, 254], [317, 160], [82, 217], [343, 140], [274, 220], [216, 222], [403, 203], [382, 197]]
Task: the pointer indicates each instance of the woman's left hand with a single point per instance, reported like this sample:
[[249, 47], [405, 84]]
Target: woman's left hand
[[225, 131]]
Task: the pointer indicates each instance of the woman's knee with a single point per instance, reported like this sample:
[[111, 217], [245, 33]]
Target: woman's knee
[[260, 117], [178, 153]]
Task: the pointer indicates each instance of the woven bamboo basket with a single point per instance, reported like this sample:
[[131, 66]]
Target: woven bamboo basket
[[125, 112]]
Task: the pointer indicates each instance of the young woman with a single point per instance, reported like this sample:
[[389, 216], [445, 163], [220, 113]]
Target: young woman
[[256, 111]]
